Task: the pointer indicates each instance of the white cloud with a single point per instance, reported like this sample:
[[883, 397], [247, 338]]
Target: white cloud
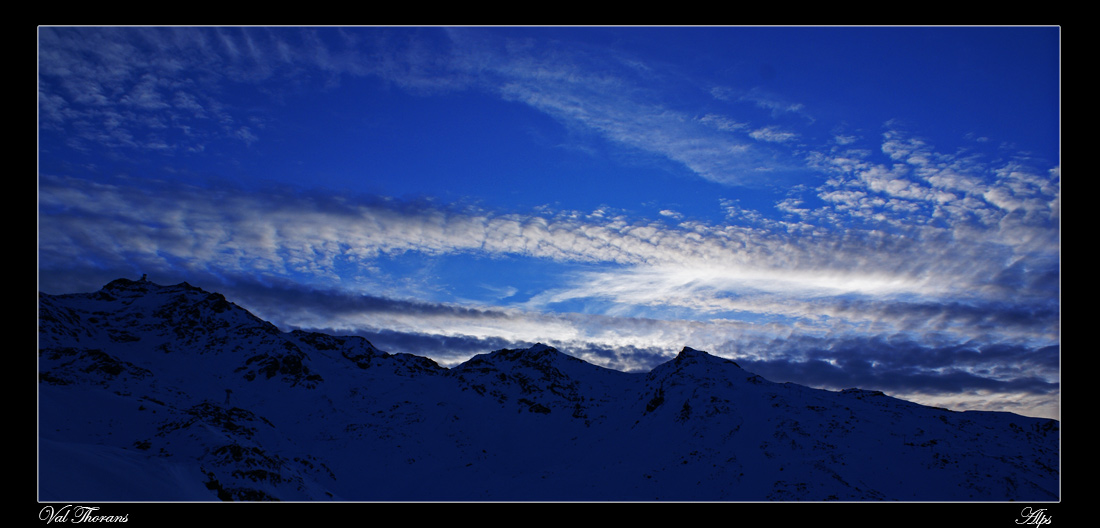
[[856, 244], [722, 122], [772, 134]]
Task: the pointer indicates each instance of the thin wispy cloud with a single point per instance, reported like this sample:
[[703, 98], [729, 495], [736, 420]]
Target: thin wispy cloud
[[773, 134], [130, 100]]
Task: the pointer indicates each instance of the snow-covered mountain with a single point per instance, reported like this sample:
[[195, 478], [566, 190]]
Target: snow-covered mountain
[[171, 393]]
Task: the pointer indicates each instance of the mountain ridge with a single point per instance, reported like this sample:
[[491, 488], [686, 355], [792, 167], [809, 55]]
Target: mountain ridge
[[179, 380]]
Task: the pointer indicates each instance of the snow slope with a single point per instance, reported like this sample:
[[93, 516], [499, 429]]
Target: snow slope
[[150, 392]]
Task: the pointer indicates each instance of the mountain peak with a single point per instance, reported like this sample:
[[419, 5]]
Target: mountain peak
[[538, 353], [127, 285], [697, 364], [690, 355], [539, 347]]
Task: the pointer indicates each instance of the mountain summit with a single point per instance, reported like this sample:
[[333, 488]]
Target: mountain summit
[[171, 393]]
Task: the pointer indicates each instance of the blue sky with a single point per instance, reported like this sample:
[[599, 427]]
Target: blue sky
[[837, 207]]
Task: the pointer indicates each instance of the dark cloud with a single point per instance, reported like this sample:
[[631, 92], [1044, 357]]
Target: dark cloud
[[901, 365], [625, 358], [275, 296], [1036, 315], [1037, 276]]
